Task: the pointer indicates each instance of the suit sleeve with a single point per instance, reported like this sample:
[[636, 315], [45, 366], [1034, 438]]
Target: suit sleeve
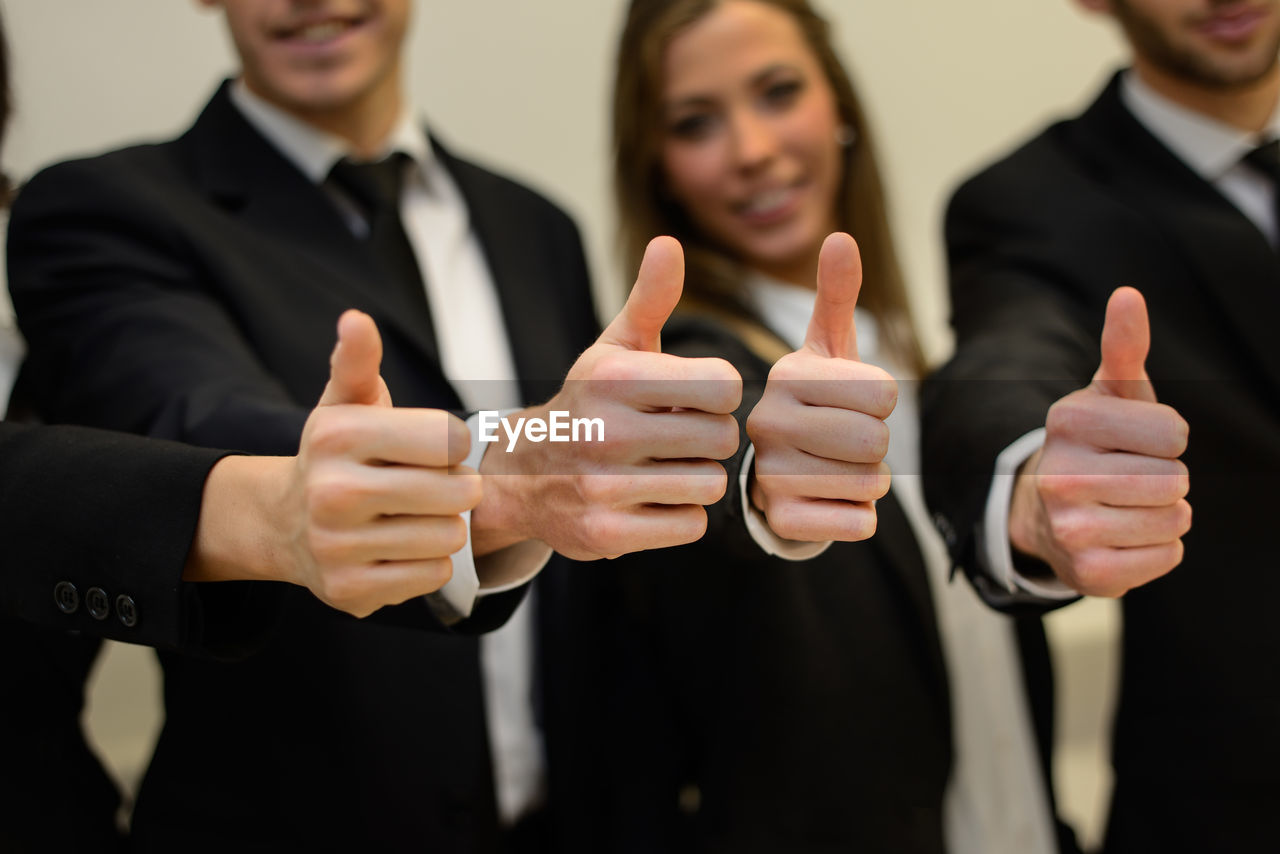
[[1020, 322], [85, 510], [123, 333]]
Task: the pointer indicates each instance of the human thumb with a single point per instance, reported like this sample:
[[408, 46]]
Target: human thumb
[[1126, 338], [831, 330], [354, 366], [655, 295]]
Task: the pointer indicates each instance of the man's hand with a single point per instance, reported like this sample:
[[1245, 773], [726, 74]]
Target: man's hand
[[368, 512], [666, 421], [1103, 502], [818, 430]]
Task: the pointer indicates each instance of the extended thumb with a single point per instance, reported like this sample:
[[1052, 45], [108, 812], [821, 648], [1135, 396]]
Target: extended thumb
[[831, 330], [655, 295], [1126, 338], [354, 366]]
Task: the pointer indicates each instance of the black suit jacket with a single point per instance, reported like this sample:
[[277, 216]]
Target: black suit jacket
[[82, 510], [190, 290], [765, 705], [1036, 245]]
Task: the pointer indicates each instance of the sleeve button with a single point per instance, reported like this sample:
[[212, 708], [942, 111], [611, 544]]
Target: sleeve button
[[66, 597], [127, 611], [95, 599]]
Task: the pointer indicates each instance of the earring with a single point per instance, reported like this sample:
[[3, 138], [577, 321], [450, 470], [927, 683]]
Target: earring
[[846, 136]]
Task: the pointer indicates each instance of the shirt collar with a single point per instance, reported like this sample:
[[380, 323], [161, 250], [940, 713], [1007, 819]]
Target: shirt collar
[[1208, 146], [314, 151], [788, 308]]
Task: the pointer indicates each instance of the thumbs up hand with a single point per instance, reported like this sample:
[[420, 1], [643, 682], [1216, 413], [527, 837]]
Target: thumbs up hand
[[818, 430], [1103, 502], [366, 515], [643, 483]]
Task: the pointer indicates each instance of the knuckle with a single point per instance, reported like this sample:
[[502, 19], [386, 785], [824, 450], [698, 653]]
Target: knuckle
[[1175, 484], [458, 438], [616, 368], [1067, 415], [1180, 431], [882, 481], [468, 489], [1060, 488], [331, 497], [725, 383], [790, 367], [1091, 573], [865, 523], [454, 535], [342, 589], [884, 394], [727, 438], [786, 517], [766, 422], [439, 571], [603, 535], [688, 526], [710, 486], [327, 549], [1184, 514], [331, 432], [872, 442], [600, 490], [1070, 532]]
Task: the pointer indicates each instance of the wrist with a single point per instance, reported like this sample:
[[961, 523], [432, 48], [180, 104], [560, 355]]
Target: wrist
[[498, 520], [242, 532], [1025, 510]]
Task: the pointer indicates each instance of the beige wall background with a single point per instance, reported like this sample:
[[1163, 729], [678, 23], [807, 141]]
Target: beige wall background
[[524, 87]]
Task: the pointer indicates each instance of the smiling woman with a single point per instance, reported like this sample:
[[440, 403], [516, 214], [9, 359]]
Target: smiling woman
[[752, 149], [815, 711]]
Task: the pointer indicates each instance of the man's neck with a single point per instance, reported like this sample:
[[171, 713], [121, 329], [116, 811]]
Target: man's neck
[[364, 124], [1248, 107]]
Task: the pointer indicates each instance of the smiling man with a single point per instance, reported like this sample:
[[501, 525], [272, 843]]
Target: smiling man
[[1168, 183], [189, 290]]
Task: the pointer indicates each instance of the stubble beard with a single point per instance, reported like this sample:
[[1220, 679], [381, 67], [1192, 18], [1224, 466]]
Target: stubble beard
[[1185, 62]]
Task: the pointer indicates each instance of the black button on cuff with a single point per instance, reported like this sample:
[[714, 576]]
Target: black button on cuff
[[95, 599], [66, 597], [127, 611]]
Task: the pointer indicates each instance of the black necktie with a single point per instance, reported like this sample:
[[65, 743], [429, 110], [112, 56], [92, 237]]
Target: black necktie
[[376, 188], [1266, 159]]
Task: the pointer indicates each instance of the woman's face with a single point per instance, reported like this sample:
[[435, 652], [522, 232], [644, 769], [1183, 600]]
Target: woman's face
[[749, 137]]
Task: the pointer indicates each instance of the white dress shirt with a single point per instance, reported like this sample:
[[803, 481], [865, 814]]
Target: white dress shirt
[[995, 800], [476, 358], [1214, 151]]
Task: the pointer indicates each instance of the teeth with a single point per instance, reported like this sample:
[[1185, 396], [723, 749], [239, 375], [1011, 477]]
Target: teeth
[[766, 202], [322, 32]]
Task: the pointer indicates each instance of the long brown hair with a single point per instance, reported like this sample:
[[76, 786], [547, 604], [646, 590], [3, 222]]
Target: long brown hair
[[713, 275]]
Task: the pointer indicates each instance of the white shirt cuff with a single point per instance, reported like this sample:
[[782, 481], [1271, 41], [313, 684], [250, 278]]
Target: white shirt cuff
[[514, 565], [759, 528], [995, 549]]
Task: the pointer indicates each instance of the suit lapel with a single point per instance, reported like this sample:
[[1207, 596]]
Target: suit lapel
[[896, 542], [249, 177], [1225, 250]]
